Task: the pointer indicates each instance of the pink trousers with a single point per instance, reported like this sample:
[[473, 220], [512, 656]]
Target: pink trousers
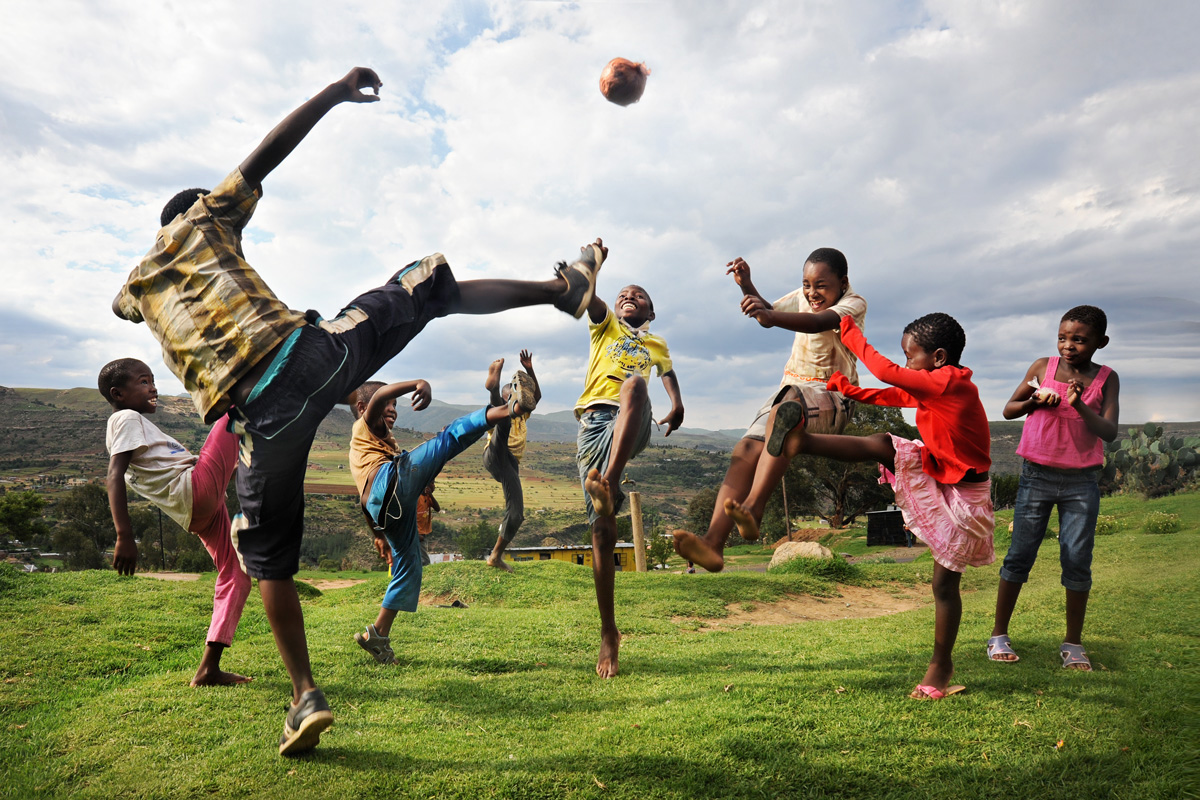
[[210, 521]]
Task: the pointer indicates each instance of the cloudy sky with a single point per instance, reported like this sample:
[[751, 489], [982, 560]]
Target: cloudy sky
[[1000, 161]]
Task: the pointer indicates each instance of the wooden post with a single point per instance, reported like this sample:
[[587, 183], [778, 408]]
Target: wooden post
[[639, 537], [787, 520]]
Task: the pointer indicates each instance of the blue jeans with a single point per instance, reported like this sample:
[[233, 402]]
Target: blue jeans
[[393, 502], [1077, 495]]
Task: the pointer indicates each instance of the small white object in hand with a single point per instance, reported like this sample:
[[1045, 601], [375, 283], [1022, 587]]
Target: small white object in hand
[[1043, 394]]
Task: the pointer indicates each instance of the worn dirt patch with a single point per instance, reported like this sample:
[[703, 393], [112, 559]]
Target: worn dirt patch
[[855, 602], [335, 584], [170, 576]]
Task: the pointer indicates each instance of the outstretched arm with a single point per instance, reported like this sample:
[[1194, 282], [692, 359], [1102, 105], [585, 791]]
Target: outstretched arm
[[768, 317], [913, 381], [527, 365], [281, 141], [125, 553], [675, 418], [421, 392]]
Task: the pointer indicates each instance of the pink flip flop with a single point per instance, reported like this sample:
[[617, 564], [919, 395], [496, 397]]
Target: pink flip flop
[[923, 692]]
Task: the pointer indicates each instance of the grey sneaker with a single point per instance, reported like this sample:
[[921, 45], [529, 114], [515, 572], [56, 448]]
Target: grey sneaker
[[380, 647], [304, 723], [522, 391], [580, 276]]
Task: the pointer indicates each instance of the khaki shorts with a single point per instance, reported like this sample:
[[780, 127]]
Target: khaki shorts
[[824, 411]]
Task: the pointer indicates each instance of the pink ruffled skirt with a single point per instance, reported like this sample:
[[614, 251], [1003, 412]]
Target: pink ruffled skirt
[[956, 521]]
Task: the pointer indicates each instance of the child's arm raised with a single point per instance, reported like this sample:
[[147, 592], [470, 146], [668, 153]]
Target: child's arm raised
[[891, 396], [913, 381], [527, 365], [675, 418], [756, 306], [1026, 399], [1103, 424], [421, 392], [281, 141], [125, 553]]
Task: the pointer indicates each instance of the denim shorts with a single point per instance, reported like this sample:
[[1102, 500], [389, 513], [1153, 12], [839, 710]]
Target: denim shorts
[[594, 441], [1076, 492], [328, 360]]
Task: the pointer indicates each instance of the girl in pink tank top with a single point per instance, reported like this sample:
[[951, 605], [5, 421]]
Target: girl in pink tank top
[[1072, 409]]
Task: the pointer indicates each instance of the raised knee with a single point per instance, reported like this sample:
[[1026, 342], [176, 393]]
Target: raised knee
[[634, 386]]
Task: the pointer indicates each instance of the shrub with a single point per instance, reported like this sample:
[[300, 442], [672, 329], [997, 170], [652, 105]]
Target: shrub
[[1106, 525], [832, 569], [1160, 522]]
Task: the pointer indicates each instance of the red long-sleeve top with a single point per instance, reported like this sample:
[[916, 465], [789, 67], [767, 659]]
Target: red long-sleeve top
[[950, 417]]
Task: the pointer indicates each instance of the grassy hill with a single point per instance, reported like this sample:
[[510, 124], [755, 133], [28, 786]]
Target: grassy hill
[[715, 699]]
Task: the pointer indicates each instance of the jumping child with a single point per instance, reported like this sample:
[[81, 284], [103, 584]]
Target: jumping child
[[1072, 406], [391, 480], [941, 481], [503, 451], [614, 426], [278, 371], [814, 312], [187, 488]]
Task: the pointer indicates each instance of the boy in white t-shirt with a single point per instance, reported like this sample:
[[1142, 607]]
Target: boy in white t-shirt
[[189, 489]]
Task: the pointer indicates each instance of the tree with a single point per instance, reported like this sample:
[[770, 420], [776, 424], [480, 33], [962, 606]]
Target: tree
[[844, 491], [85, 527], [475, 541], [660, 548], [21, 517], [700, 510]]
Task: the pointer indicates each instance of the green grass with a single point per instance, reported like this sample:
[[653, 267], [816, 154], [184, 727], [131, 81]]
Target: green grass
[[499, 699]]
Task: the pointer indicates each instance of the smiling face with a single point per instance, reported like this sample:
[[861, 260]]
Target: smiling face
[[918, 357], [633, 306], [1078, 342], [822, 287], [139, 392]]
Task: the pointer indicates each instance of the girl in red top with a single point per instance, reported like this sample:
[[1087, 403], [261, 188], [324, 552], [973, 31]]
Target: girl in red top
[[941, 481]]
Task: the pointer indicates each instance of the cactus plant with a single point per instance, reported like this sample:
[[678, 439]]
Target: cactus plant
[[1152, 464]]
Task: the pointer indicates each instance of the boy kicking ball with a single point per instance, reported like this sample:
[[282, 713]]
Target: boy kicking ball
[[614, 426]]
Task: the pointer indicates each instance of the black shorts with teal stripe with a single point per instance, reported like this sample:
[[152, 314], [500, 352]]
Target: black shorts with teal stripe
[[328, 360]]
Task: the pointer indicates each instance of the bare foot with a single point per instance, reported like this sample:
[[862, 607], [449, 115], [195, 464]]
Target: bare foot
[[747, 524], [492, 384], [606, 665], [597, 489], [692, 548], [498, 562], [219, 678]]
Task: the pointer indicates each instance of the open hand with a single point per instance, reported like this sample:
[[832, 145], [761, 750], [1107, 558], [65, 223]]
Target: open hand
[[125, 556], [358, 79], [527, 360], [740, 271], [421, 396]]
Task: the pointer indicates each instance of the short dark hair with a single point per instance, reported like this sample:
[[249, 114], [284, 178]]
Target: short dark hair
[[1091, 316], [364, 393], [115, 374], [939, 330], [835, 259], [179, 204]]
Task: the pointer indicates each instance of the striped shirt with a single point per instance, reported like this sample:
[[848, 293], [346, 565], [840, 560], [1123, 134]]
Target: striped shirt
[[210, 311]]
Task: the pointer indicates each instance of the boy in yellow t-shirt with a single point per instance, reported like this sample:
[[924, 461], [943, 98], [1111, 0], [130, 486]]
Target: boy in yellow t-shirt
[[614, 426]]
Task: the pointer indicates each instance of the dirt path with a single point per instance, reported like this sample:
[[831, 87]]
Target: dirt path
[[856, 602], [323, 585]]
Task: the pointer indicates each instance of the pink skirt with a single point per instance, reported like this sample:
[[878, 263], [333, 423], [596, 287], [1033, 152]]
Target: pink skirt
[[956, 521]]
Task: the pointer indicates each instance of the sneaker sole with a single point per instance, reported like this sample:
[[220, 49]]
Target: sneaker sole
[[522, 386], [787, 417], [309, 734], [586, 266]]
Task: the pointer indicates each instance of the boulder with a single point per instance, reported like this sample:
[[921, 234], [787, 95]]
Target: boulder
[[789, 550]]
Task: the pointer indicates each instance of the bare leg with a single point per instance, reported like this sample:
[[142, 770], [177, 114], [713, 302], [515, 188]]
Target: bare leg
[[947, 615], [768, 472], [492, 295], [210, 672], [1006, 602], [496, 559], [877, 447], [604, 537], [383, 622], [282, 604], [1076, 611], [634, 400], [708, 551]]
